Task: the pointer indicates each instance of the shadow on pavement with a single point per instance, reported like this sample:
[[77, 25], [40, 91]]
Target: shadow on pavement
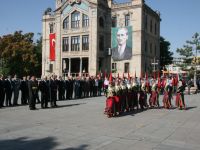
[[24, 143], [69, 105], [81, 147], [132, 112], [192, 107]]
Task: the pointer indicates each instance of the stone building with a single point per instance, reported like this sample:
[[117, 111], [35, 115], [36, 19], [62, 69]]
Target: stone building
[[81, 33]]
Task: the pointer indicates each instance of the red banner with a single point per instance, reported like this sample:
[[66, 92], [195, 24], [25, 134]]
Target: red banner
[[52, 43]]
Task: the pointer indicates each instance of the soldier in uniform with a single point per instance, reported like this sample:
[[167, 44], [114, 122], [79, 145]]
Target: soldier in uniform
[[135, 89], [166, 97], [180, 101], [143, 96], [110, 102], [117, 99], [33, 88], [129, 97], [153, 101], [123, 96]]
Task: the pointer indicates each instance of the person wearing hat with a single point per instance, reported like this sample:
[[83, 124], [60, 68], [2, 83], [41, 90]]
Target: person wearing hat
[[180, 102], [110, 102], [166, 97], [135, 94], [153, 101], [143, 96]]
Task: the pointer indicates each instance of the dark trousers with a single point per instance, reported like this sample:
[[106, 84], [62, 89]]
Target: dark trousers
[[32, 101], [53, 98], [16, 96], [8, 98], [44, 100], [24, 98], [2, 97]]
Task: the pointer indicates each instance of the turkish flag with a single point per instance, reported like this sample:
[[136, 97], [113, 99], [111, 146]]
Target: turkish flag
[[110, 78], [52, 43], [129, 77]]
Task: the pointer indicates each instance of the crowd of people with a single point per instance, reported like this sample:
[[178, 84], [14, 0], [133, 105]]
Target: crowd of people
[[125, 95], [52, 88]]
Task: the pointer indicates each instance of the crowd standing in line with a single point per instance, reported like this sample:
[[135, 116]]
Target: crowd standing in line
[[130, 94], [124, 94], [52, 89]]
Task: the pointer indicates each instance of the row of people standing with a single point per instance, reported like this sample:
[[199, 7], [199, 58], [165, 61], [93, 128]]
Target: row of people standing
[[52, 89], [126, 95]]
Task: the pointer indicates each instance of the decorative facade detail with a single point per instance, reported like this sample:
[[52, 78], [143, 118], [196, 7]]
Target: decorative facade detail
[[87, 33]]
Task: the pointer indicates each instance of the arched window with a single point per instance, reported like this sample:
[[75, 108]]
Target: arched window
[[101, 22], [66, 23], [75, 19]]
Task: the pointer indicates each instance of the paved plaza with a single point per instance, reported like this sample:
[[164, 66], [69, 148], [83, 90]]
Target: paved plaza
[[81, 125]]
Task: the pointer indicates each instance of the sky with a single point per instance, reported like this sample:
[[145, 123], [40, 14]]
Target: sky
[[180, 18]]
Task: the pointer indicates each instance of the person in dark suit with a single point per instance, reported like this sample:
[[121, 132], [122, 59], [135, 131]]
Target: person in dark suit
[[53, 83], [16, 88], [2, 90], [8, 90], [45, 92], [33, 89], [122, 51], [24, 91]]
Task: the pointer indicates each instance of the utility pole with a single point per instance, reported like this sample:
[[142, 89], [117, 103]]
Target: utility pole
[[154, 63]]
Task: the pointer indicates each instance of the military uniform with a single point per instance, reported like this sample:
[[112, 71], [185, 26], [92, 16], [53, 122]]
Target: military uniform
[[143, 96], [33, 88], [180, 101], [110, 102], [166, 97]]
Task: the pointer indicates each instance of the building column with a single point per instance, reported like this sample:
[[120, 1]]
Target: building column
[[63, 65], [69, 72], [81, 66]]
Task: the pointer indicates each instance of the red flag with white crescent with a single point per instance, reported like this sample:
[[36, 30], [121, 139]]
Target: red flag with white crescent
[[129, 77], [52, 42], [110, 78]]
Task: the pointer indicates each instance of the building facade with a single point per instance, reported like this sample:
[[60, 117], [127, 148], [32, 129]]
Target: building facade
[[85, 36]]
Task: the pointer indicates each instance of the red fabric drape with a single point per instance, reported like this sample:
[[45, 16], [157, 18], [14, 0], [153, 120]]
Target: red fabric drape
[[52, 43]]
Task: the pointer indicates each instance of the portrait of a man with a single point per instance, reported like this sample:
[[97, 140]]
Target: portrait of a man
[[122, 51]]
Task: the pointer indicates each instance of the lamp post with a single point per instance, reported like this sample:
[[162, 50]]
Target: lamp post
[[154, 63]]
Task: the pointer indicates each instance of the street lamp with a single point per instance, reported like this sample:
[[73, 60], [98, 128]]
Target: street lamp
[[154, 63]]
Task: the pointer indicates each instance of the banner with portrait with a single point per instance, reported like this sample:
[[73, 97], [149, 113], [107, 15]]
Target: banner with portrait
[[121, 43]]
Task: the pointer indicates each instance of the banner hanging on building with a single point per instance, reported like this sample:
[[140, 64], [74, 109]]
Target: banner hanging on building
[[122, 43], [52, 42]]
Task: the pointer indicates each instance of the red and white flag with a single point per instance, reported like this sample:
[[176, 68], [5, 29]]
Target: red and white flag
[[52, 43]]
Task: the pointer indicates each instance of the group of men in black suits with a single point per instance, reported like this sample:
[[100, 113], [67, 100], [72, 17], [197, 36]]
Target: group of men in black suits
[[51, 89]]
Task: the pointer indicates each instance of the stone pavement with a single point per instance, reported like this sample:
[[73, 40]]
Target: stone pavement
[[81, 125]]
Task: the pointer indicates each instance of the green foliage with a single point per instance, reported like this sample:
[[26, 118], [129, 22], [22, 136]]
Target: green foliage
[[20, 54], [190, 50], [165, 54]]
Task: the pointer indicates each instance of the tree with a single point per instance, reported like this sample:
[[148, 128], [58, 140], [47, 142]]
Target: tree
[[165, 55], [190, 51], [19, 54]]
